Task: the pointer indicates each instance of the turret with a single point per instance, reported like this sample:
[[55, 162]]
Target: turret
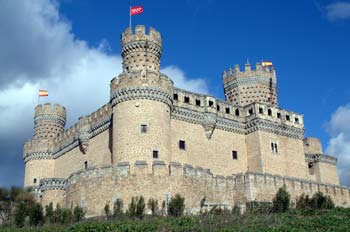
[[141, 51], [248, 86], [49, 121]]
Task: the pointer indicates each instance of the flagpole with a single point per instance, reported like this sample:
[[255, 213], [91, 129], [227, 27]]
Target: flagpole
[[130, 17]]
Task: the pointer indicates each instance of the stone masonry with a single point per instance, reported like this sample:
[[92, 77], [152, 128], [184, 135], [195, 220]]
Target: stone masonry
[[156, 140]]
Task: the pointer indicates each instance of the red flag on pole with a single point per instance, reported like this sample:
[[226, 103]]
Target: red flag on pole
[[135, 10]]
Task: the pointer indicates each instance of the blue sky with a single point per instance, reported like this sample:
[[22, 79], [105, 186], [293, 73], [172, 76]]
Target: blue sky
[[72, 47]]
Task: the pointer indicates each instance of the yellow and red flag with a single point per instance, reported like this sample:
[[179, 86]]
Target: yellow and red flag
[[43, 93], [135, 10], [266, 64]]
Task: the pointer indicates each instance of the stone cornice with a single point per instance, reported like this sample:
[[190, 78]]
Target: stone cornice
[[321, 158], [50, 117], [53, 184], [274, 127], [141, 45], [248, 81], [133, 93], [40, 155]]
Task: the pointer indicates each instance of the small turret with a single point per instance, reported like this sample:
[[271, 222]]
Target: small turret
[[49, 122], [248, 86], [141, 51]]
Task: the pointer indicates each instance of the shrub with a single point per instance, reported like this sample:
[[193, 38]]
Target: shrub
[[320, 201], [118, 207], [176, 206], [303, 202], [49, 213], [132, 207], [36, 215], [107, 210], [281, 201], [20, 214], [259, 207], [153, 205], [78, 213], [140, 207]]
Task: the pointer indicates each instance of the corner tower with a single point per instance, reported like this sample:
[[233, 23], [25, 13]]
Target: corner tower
[[248, 86], [49, 122], [141, 98]]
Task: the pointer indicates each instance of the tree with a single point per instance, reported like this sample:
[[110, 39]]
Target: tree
[[78, 213], [176, 206], [36, 215], [107, 210], [153, 205], [118, 207], [140, 207], [49, 213], [281, 201], [320, 201], [303, 202], [132, 207], [20, 214]]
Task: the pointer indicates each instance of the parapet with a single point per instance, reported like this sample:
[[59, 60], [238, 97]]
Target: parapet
[[140, 35], [260, 71], [47, 108]]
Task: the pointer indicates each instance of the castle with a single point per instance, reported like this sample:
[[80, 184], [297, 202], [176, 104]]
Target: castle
[[155, 140]]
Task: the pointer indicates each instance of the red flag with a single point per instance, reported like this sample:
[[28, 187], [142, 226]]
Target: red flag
[[134, 10]]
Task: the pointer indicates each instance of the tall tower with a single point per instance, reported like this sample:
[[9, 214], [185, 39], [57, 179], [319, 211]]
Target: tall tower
[[141, 98], [243, 88], [49, 122]]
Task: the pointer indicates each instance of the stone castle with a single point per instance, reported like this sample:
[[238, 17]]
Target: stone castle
[[155, 140]]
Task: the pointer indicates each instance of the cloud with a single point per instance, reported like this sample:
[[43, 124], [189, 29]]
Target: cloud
[[39, 50], [181, 81], [338, 11], [339, 143]]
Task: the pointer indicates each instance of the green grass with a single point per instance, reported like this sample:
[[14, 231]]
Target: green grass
[[294, 220]]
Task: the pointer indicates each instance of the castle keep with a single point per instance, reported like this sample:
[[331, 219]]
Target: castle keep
[[155, 140]]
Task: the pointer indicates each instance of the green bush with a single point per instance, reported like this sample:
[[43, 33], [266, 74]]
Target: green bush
[[78, 213], [281, 201], [49, 213], [320, 201], [107, 211], [140, 207], [20, 214], [258, 207], [176, 206], [36, 215], [153, 206], [118, 207]]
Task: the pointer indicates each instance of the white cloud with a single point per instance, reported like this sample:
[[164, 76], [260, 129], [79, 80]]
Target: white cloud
[[39, 50], [181, 81], [338, 11], [339, 143]]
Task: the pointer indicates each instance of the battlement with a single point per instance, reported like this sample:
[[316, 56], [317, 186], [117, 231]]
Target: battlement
[[227, 110], [48, 109], [140, 34], [260, 71]]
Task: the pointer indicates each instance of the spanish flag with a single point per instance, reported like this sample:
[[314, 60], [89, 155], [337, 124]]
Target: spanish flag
[[43, 93], [266, 64]]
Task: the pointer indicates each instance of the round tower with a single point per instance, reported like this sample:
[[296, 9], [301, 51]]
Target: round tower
[[49, 122], [141, 98]]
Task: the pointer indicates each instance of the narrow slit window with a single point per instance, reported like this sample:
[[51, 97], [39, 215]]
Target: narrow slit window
[[182, 145], [85, 165], [198, 102], [155, 154], [227, 110], [234, 155], [144, 128]]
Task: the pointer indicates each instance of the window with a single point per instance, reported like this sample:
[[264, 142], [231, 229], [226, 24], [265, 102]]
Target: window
[[155, 154], [34, 180], [85, 165], [143, 128], [297, 120], [198, 102], [261, 111], [176, 97], [269, 112], [227, 110], [274, 147], [237, 112], [234, 155], [278, 115], [217, 107], [311, 168], [250, 111], [211, 103], [187, 100], [287, 117], [182, 144]]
